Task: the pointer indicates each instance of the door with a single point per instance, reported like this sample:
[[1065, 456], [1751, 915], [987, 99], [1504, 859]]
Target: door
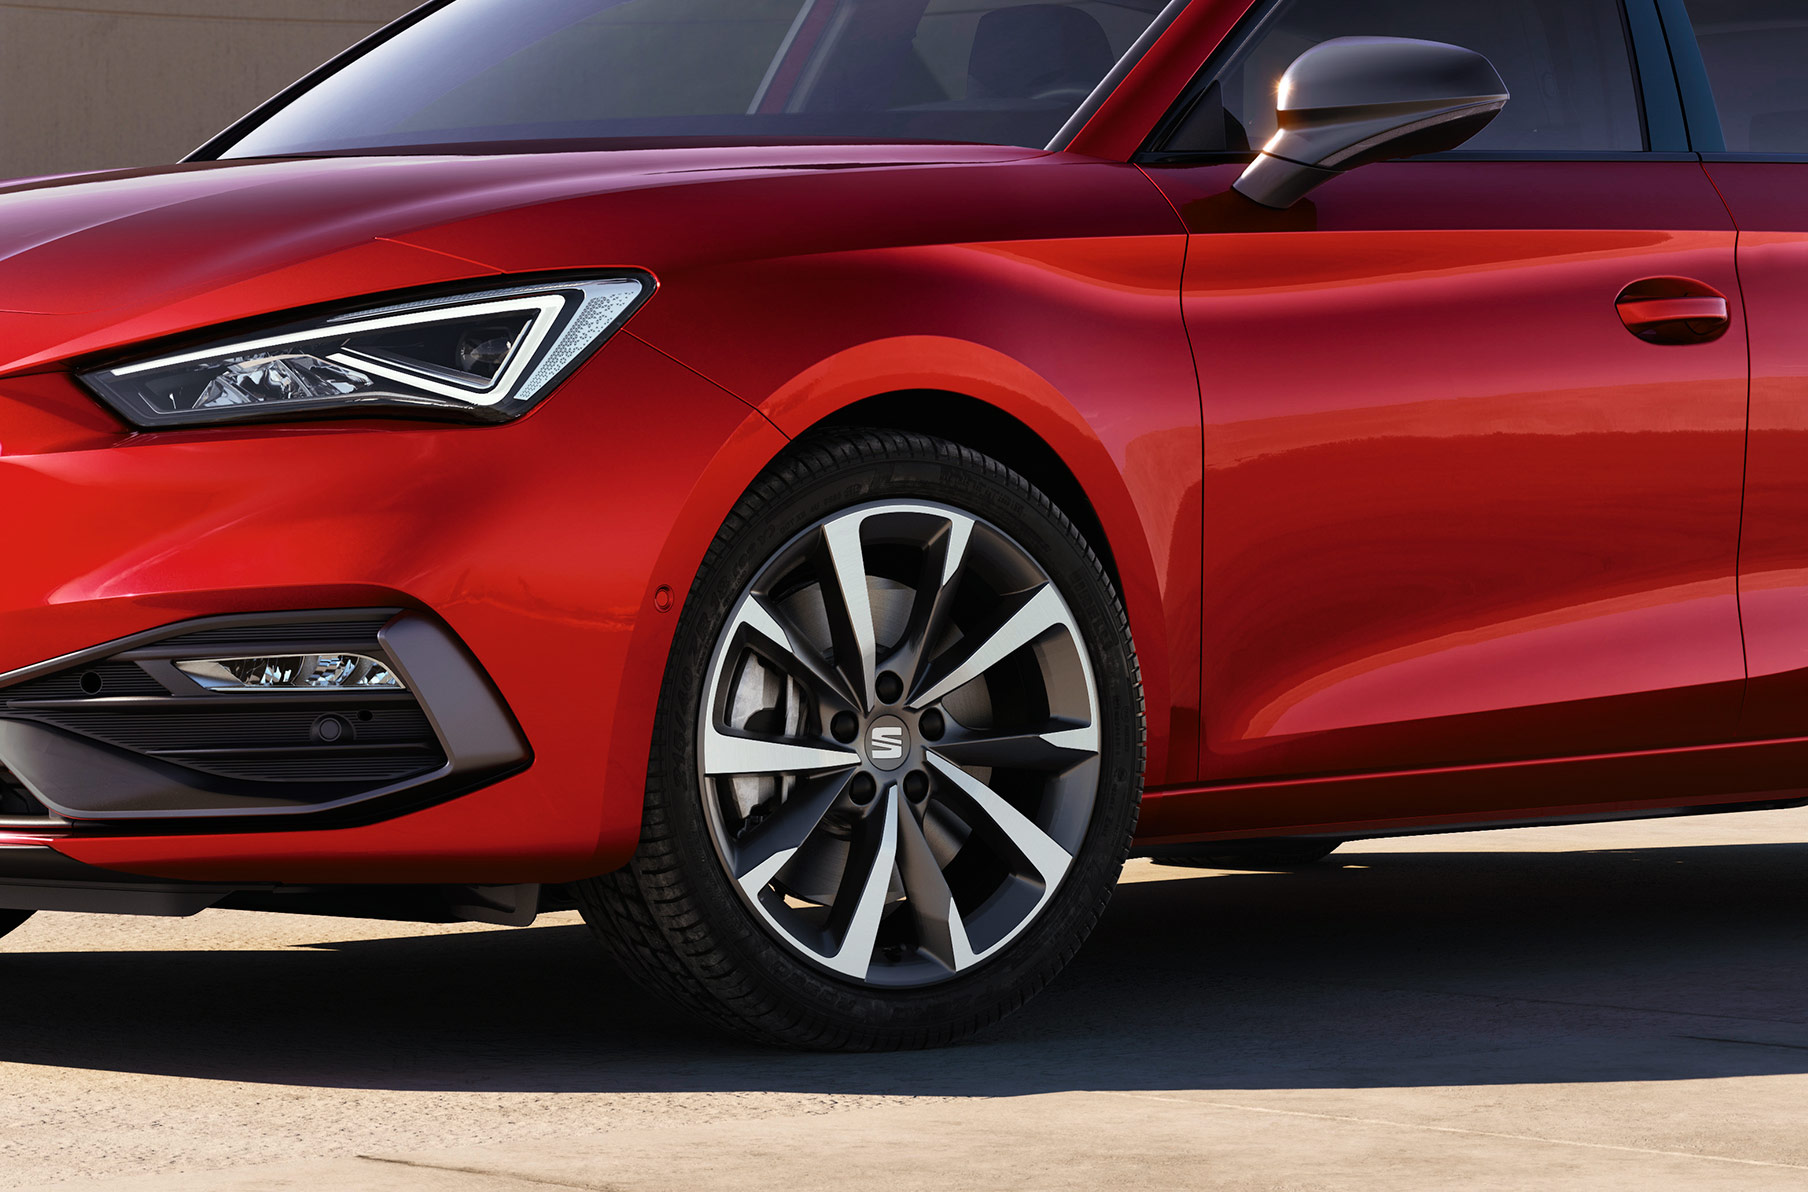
[[1750, 114], [1468, 496]]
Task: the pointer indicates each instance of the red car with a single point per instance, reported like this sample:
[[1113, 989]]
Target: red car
[[792, 478]]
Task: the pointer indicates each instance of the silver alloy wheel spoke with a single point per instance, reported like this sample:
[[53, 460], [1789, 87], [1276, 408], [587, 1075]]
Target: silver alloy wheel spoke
[[782, 649], [847, 556], [1054, 749], [954, 550], [855, 956], [723, 754], [871, 836], [939, 601], [938, 917], [1050, 859], [768, 848], [1043, 611]]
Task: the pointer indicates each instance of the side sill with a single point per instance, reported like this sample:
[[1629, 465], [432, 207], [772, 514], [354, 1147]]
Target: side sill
[[1183, 848], [1697, 779]]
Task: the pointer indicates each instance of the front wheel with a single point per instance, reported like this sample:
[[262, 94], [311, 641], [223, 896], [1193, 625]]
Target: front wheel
[[898, 755]]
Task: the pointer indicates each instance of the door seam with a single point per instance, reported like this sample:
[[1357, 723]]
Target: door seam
[[1745, 459]]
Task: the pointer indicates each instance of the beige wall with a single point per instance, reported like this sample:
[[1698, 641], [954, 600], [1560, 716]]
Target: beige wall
[[90, 84]]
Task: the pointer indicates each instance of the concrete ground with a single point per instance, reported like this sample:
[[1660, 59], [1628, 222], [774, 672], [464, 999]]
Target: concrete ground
[[1607, 1007]]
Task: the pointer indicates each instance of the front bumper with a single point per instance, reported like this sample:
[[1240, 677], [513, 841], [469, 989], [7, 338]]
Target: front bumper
[[539, 545], [35, 877]]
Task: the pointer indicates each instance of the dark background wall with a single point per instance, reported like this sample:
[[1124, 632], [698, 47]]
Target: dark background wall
[[93, 84]]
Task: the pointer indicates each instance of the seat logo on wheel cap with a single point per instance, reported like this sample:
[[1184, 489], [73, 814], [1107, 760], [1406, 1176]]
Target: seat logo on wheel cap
[[886, 743]]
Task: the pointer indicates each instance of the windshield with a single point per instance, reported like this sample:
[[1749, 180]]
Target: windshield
[[518, 72]]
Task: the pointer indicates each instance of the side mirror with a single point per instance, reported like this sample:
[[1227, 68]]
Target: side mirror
[[1356, 100]]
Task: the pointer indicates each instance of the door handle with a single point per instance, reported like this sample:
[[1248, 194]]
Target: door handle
[[1647, 312], [1674, 310]]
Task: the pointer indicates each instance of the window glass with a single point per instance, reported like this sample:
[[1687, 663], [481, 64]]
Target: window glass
[[521, 71], [1757, 58], [1566, 62]]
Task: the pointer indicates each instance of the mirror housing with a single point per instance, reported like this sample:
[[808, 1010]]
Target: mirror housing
[[1355, 100]]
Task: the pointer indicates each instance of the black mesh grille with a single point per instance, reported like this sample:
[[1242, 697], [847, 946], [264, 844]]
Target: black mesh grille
[[375, 766], [321, 737], [305, 634], [102, 679], [201, 727]]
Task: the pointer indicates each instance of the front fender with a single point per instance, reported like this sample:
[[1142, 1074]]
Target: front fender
[[918, 363]]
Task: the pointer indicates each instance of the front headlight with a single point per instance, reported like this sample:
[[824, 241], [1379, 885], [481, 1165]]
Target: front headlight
[[485, 356]]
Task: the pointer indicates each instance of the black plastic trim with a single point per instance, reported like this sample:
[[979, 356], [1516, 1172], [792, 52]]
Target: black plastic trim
[[38, 878], [93, 783], [1660, 100], [1249, 26], [237, 130], [508, 906], [235, 621], [1479, 155], [1779, 158], [1699, 108], [1183, 848], [474, 726], [1114, 79], [299, 701]]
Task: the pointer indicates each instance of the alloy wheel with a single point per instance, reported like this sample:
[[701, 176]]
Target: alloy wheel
[[900, 743]]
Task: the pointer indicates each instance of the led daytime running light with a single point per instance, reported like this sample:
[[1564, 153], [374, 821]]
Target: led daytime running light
[[489, 356]]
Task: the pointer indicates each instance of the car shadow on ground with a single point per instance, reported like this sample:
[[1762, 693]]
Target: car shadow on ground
[[1387, 970]]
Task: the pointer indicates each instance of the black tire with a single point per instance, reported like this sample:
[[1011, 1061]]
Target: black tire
[[11, 921], [1250, 854], [674, 916]]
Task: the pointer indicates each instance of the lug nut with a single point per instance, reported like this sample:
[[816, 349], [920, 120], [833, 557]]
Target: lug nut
[[862, 789], [916, 786], [932, 725], [845, 727], [890, 688]]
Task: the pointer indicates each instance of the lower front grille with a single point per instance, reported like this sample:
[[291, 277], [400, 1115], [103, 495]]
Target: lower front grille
[[160, 727], [327, 718], [15, 801], [110, 679], [315, 765], [308, 745]]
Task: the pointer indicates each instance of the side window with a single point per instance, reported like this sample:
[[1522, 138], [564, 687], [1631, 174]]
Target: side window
[[1567, 63], [1756, 53], [993, 49]]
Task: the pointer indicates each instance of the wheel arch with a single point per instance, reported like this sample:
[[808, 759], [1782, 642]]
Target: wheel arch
[[980, 398], [991, 431], [953, 389]]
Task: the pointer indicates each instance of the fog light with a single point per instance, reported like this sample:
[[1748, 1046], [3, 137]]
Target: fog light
[[301, 672]]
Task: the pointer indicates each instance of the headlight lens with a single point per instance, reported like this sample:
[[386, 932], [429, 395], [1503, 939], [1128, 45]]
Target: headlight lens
[[485, 356]]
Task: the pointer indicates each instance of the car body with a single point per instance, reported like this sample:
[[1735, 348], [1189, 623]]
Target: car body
[[1413, 530]]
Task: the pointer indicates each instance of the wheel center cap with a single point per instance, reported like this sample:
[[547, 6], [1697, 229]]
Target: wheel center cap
[[887, 743]]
